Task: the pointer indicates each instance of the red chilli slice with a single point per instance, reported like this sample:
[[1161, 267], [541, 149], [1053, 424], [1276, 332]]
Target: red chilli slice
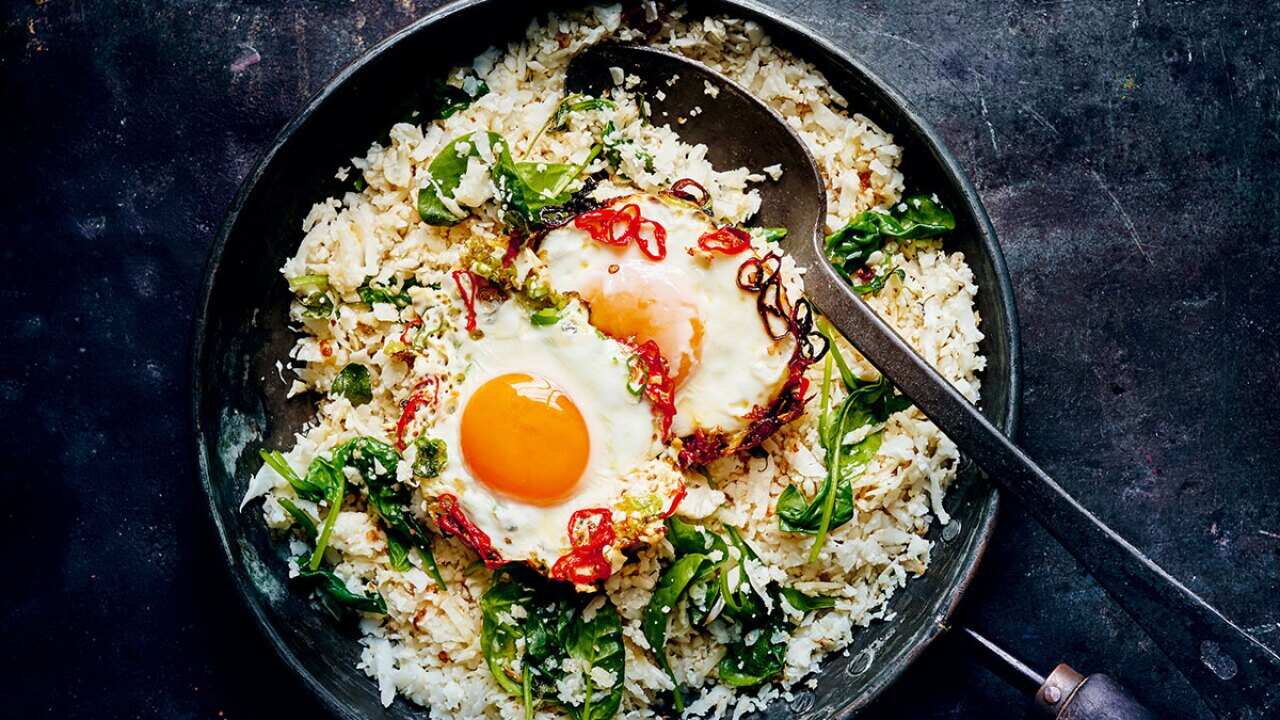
[[590, 531], [619, 227], [454, 522], [658, 386], [727, 240], [653, 245], [629, 216], [466, 283], [416, 400]]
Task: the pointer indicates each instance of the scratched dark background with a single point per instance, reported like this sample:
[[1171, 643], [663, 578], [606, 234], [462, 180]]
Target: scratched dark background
[[1129, 155]]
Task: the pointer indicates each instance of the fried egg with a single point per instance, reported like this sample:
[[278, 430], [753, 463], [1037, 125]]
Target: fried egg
[[544, 426], [721, 357]]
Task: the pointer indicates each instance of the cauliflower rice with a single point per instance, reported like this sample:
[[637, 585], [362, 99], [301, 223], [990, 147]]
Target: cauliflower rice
[[426, 648]]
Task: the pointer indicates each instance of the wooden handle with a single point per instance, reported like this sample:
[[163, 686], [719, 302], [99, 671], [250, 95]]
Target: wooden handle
[[1068, 695]]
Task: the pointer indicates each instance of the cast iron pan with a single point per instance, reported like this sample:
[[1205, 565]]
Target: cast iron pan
[[239, 402]]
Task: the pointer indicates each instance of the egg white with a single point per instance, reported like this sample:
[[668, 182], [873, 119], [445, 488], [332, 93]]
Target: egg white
[[741, 367], [592, 371]]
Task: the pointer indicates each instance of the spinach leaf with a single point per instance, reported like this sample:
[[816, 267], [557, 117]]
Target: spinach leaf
[[445, 100], [300, 518], [757, 657], [867, 403], [501, 628], [327, 473], [313, 295], [354, 383], [445, 174], [377, 462], [308, 488], [373, 292], [559, 120], [806, 603], [666, 596], [398, 554], [597, 643], [433, 455], [526, 188], [334, 595], [614, 145], [914, 218], [523, 606], [687, 538], [876, 284]]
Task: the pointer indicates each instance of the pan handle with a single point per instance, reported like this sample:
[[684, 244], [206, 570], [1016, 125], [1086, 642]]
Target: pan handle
[[1068, 695]]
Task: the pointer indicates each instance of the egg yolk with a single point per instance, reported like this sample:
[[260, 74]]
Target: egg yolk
[[639, 301], [524, 438]]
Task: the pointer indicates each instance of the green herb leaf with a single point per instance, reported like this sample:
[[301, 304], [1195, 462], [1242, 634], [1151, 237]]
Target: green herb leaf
[[598, 644], [334, 594], [806, 603], [671, 587], [300, 518], [914, 218], [445, 100], [354, 383], [545, 316], [373, 292], [876, 284], [377, 462], [445, 174], [771, 234], [757, 657], [433, 455], [313, 295]]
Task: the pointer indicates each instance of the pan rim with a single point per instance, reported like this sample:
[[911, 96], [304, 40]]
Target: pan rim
[[1002, 287]]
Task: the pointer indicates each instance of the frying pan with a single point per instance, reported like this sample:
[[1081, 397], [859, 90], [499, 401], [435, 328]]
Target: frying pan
[[242, 330]]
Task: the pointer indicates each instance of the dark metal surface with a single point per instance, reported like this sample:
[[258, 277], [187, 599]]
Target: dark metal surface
[[1128, 154]]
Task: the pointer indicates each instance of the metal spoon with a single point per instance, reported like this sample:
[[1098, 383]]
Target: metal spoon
[[1237, 676]]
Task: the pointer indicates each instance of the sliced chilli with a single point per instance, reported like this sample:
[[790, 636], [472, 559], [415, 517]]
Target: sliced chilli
[[727, 240], [675, 501], [653, 243], [596, 223], [620, 227], [627, 218], [763, 276], [656, 382], [590, 532], [453, 521], [466, 282], [692, 191], [426, 392], [404, 336]]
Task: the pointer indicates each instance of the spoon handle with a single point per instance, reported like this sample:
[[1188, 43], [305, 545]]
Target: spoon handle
[[1237, 676]]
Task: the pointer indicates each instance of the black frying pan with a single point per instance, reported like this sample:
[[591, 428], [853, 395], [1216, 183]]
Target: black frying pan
[[239, 403]]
